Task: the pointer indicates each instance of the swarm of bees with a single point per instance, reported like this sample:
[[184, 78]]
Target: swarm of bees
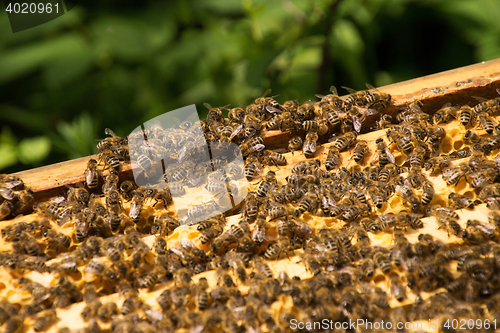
[[126, 238]]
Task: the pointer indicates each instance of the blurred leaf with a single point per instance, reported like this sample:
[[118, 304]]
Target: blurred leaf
[[348, 37], [8, 153], [130, 38], [68, 66], [79, 136], [23, 59], [221, 6], [258, 67], [34, 150], [22, 117]]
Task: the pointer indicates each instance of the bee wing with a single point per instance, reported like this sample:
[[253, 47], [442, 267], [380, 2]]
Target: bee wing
[[208, 106], [57, 200], [328, 201], [186, 243], [258, 147], [351, 91], [390, 156], [480, 99], [356, 122], [312, 147], [485, 227], [369, 86], [272, 109], [368, 111], [319, 96], [448, 172], [333, 90], [236, 131], [375, 157], [183, 155], [400, 189], [12, 184], [109, 131], [267, 92], [476, 173], [6, 194]]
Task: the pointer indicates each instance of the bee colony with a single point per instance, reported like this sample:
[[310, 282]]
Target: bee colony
[[358, 207]]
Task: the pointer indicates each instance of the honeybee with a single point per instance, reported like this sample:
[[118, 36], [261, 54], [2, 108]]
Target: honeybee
[[6, 208], [318, 126], [303, 167], [377, 196], [305, 112], [79, 195], [252, 145], [359, 115], [114, 142], [487, 229], [360, 151], [445, 114], [383, 154], [271, 157], [382, 260], [332, 158], [486, 122], [235, 261], [437, 163], [309, 203], [459, 201], [222, 242], [110, 159], [110, 183], [372, 98], [332, 99], [427, 192], [453, 175], [387, 173], [214, 114], [450, 224], [345, 141], [417, 158], [490, 106], [404, 143], [398, 291], [295, 143], [91, 175], [309, 147], [210, 233], [266, 184], [384, 122], [352, 212], [260, 228], [331, 114], [236, 115], [251, 125], [465, 114], [11, 182]]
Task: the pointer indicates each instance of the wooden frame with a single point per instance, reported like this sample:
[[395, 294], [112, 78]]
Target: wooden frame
[[455, 86]]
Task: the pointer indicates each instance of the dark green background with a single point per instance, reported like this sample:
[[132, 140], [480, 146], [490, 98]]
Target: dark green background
[[118, 63]]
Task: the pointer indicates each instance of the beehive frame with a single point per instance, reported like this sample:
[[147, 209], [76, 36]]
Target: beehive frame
[[455, 86]]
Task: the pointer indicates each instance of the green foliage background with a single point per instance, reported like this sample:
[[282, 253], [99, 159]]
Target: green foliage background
[[119, 63]]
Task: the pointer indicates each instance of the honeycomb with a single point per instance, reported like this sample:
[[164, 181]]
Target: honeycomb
[[275, 289]]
